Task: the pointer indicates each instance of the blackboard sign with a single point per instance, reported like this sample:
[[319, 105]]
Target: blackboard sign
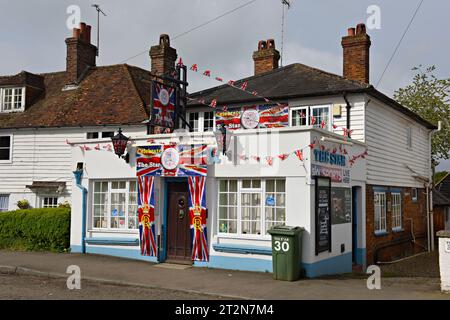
[[341, 205], [323, 214]]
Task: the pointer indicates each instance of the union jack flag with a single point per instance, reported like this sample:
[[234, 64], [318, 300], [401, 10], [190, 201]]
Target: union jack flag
[[193, 160], [197, 215], [163, 114], [146, 215]]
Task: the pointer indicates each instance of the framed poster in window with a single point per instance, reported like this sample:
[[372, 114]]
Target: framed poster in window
[[323, 214]]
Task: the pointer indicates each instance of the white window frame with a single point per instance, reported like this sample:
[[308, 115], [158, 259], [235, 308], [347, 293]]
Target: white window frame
[[201, 120], [42, 200], [13, 109], [309, 111], [383, 212], [262, 191], [10, 149], [108, 206], [414, 194], [396, 211], [7, 203]]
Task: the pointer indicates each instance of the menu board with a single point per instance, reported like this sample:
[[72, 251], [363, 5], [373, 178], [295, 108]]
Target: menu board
[[323, 214], [341, 205]]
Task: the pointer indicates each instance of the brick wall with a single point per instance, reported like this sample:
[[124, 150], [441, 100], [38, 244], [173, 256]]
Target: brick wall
[[394, 245], [356, 54]]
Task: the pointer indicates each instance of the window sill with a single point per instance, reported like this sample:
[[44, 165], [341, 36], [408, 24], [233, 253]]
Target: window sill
[[99, 230], [242, 249], [381, 233], [397, 230], [243, 237], [113, 241]]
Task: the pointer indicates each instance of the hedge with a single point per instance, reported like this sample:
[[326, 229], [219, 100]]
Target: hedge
[[35, 229]]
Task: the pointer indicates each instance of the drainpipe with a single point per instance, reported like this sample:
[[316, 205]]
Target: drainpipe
[[431, 187], [348, 107], [78, 175]]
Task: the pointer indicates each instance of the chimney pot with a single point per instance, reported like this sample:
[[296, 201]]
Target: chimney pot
[[266, 57], [88, 33], [351, 32], [76, 33], [361, 29]]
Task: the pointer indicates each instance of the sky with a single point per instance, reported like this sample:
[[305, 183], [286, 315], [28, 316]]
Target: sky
[[33, 34]]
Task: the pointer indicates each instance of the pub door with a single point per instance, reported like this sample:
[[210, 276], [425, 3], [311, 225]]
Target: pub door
[[178, 227]]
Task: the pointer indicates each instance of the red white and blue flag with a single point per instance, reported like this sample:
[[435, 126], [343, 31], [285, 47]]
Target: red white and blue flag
[[197, 215], [146, 215], [163, 102]]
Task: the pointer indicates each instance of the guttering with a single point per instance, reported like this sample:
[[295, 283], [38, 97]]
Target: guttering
[[78, 174]]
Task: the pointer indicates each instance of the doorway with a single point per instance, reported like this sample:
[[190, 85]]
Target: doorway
[[178, 227], [355, 211]]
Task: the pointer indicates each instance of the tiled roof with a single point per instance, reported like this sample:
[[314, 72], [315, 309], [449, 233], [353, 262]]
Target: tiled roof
[[295, 81], [108, 95]]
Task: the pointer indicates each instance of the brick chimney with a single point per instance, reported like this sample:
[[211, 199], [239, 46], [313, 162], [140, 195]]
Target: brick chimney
[[356, 47], [163, 56], [81, 54], [266, 57]]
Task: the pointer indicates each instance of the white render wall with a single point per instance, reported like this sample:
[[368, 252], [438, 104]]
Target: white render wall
[[44, 155]]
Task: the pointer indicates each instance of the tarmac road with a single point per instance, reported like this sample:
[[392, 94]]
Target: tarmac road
[[27, 287]]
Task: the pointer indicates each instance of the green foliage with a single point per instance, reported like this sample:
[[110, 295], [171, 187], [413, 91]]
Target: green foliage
[[438, 176], [428, 96], [23, 204], [35, 229], [64, 204]]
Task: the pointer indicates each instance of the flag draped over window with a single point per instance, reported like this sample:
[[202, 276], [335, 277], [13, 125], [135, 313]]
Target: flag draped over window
[[146, 215], [197, 218]]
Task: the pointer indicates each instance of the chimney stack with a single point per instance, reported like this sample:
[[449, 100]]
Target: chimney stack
[[266, 57], [81, 54], [356, 47], [163, 56]]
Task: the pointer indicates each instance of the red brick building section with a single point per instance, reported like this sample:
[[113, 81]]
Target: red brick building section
[[356, 47], [393, 245]]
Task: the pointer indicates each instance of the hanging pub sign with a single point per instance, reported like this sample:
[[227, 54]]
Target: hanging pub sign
[[252, 117], [323, 214], [163, 106]]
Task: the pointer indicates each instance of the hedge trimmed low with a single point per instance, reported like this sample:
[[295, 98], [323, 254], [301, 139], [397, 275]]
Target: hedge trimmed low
[[35, 229]]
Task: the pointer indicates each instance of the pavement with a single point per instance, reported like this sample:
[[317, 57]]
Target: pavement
[[214, 282]]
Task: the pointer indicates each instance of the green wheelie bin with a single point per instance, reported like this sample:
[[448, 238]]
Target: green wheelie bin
[[286, 252]]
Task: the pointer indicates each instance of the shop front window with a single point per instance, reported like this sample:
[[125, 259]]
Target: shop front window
[[251, 206], [115, 205]]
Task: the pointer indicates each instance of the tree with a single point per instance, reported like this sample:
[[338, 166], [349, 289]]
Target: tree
[[429, 97]]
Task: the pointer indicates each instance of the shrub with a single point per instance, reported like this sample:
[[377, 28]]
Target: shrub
[[23, 204], [35, 229]]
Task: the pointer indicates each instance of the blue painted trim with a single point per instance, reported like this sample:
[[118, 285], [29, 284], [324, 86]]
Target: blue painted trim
[[380, 189], [113, 241], [336, 265], [78, 174], [120, 252], [242, 249], [237, 263], [361, 256], [395, 190], [74, 248]]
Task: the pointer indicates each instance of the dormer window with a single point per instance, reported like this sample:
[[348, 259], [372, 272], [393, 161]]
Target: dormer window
[[12, 99]]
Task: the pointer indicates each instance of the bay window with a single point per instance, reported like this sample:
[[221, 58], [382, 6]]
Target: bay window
[[114, 205], [251, 206]]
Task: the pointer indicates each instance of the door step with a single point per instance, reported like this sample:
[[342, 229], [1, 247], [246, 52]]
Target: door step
[[173, 266], [356, 268]]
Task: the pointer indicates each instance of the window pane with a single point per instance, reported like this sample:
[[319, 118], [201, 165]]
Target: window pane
[[223, 187], [270, 185], [92, 135], [232, 213], [256, 184], [108, 134], [5, 142], [4, 154], [256, 199], [299, 117], [223, 199], [246, 184], [280, 185], [280, 200], [232, 199], [233, 185], [223, 213]]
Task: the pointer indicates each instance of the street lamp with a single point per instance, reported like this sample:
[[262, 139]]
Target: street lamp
[[119, 142]]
